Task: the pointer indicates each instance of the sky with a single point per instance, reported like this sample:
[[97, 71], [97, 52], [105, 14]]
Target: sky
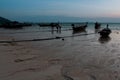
[[48, 10]]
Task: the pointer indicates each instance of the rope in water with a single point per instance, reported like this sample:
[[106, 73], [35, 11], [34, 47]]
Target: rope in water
[[57, 37]]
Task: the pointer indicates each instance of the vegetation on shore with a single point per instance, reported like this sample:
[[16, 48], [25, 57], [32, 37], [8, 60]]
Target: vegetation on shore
[[5, 23]]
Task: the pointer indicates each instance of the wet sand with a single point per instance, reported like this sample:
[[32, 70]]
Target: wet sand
[[85, 57]]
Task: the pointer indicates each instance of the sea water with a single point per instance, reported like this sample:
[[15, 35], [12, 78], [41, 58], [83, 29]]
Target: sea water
[[37, 32]]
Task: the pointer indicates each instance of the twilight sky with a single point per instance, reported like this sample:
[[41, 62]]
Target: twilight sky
[[38, 10]]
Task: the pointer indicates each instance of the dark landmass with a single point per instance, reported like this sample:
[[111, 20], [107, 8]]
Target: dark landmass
[[4, 20], [5, 23]]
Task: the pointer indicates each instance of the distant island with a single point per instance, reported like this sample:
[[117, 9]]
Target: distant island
[[5, 23], [4, 20]]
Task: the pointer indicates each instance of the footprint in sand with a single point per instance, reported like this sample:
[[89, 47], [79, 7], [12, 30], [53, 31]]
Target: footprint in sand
[[22, 60], [54, 61]]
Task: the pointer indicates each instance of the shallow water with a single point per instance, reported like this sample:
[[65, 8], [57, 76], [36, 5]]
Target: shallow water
[[35, 32]]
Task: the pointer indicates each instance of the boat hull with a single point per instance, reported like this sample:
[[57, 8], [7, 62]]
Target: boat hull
[[79, 28], [105, 32]]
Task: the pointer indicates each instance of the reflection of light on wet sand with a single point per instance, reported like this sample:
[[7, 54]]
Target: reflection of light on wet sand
[[75, 58]]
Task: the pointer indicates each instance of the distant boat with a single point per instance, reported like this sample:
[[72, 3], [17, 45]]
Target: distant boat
[[48, 24], [105, 32], [15, 25], [44, 24]]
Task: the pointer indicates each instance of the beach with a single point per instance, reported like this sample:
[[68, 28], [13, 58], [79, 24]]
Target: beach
[[82, 57]]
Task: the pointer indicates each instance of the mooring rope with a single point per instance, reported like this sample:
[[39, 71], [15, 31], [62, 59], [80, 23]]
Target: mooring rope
[[57, 37]]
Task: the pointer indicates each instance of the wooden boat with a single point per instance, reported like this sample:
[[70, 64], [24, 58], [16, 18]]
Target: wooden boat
[[105, 32], [79, 28]]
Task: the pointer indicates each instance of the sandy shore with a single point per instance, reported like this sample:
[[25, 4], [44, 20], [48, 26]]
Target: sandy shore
[[75, 58]]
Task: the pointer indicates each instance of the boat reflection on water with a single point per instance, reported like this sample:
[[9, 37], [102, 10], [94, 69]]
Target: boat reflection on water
[[78, 32], [97, 30], [103, 40]]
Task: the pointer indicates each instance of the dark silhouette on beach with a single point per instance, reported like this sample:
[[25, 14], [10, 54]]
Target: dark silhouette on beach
[[97, 25], [107, 26], [57, 26]]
